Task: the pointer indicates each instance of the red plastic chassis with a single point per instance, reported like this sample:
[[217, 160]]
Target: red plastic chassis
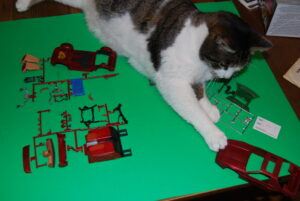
[[82, 60], [236, 155]]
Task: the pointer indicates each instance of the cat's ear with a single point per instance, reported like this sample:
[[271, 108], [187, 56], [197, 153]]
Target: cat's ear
[[259, 43]]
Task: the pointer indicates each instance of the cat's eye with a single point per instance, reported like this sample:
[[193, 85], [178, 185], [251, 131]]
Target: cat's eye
[[212, 59], [223, 64]]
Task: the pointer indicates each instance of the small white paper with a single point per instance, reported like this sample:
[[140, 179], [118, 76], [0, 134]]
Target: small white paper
[[293, 74], [267, 127]]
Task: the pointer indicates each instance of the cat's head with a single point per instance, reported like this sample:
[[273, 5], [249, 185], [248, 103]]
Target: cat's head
[[228, 47]]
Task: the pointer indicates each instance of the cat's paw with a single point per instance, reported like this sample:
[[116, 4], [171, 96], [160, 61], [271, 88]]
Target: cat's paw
[[22, 5], [211, 110], [216, 140]]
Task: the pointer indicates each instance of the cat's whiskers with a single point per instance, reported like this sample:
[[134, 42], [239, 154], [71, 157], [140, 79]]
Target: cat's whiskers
[[210, 85]]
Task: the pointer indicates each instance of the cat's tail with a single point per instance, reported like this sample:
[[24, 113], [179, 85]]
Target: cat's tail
[[24, 5]]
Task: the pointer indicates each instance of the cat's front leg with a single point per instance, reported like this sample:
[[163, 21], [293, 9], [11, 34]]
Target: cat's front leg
[[180, 95], [211, 110]]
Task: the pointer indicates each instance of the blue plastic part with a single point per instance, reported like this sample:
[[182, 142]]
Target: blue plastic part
[[77, 87]]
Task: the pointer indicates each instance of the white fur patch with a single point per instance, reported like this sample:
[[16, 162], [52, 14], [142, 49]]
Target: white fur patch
[[222, 73], [119, 33], [23, 5], [182, 58]]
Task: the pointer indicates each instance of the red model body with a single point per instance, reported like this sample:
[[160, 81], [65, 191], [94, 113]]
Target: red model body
[[236, 156], [80, 60]]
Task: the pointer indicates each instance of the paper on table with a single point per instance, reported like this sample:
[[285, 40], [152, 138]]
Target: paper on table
[[286, 19], [293, 74]]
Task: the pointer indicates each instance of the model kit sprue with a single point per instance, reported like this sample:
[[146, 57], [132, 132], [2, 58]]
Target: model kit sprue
[[76, 60], [102, 141]]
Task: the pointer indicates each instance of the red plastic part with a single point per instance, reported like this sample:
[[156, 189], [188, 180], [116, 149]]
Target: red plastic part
[[50, 153], [99, 134], [102, 151], [26, 159], [82, 60], [62, 150], [236, 155], [103, 144], [112, 57]]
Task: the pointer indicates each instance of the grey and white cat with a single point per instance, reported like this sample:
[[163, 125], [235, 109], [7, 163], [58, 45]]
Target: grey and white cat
[[177, 47]]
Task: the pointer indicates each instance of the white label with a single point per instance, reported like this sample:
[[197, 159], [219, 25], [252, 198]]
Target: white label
[[267, 127]]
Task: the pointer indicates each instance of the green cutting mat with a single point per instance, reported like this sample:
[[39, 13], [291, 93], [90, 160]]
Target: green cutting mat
[[169, 156]]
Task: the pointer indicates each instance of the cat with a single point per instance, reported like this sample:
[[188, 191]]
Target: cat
[[177, 47]]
